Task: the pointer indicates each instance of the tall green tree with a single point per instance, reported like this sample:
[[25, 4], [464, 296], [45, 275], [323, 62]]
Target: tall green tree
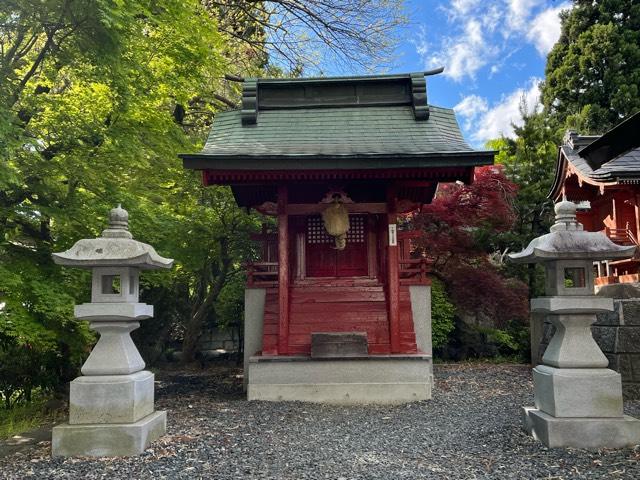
[[529, 161], [593, 72], [97, 99]]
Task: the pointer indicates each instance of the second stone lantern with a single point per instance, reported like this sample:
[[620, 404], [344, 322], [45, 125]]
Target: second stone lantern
[[578, 400], [111, 411]]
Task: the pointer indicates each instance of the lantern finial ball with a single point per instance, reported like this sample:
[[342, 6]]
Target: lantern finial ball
[[118, 217], [118, 223], [565, 207], [566, 216]]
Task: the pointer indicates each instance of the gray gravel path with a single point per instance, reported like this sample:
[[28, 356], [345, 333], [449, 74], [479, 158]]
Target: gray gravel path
[[470, 430]]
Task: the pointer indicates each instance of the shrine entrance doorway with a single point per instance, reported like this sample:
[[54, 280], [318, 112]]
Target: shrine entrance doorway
[[324, 260]]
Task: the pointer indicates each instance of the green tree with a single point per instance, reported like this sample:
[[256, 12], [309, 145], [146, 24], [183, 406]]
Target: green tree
[[529, 161], [90, 109], [593, 72]]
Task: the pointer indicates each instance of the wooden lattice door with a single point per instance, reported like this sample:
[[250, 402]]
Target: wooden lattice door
[[323, 260]]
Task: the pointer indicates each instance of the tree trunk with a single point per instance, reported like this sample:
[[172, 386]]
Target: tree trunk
[[194, 327]]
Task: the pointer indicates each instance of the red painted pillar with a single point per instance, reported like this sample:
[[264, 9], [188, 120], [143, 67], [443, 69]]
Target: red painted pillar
[[393, 281], [636, 206], [283, 271]]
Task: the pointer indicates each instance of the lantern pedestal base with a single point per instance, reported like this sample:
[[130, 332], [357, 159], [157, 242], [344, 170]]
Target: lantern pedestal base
[[111, 398], [578, 392], [108, 440], [591, 433], [109, 415]]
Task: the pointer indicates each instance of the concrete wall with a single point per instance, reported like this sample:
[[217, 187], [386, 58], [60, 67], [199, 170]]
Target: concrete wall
[[254, 301], [220, 339], [421, 311]]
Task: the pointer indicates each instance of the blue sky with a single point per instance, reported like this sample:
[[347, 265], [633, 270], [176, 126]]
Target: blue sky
[[494, 55]]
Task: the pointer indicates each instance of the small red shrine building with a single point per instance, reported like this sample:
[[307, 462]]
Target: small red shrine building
[[337, 315], [602, 174]]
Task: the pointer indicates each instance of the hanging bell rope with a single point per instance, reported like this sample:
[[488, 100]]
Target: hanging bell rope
[[336, 223]]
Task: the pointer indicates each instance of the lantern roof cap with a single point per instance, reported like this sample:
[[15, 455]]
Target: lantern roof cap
[[114, 248], [568, 241]]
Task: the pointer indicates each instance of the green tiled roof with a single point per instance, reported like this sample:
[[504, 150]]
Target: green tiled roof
[[374, 122], [333, 133]]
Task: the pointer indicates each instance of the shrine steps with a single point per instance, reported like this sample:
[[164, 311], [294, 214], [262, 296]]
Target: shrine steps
[[378, 377], [358, 305], [338, 308]]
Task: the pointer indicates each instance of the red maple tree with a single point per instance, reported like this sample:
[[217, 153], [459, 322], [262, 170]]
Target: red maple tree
[[458, 232]]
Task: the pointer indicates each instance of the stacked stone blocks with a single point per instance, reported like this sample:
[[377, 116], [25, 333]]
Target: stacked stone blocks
[[578, 400], [617, 333], [111, 407]]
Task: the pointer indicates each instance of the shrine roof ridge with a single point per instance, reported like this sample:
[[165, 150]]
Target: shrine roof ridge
[[260, 94], [611, 158], [345, 78]]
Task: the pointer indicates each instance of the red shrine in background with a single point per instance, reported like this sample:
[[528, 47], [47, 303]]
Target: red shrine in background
[[602, 174], [373, 149]]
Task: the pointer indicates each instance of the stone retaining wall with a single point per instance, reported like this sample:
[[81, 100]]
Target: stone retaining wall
[[219, 339]]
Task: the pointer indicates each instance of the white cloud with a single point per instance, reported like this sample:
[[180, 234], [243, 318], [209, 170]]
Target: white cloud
[[464, 6], [519, 12], [464, 55], [497, 120], [421, 44], [544, 30], [470, 108], [484, 33]]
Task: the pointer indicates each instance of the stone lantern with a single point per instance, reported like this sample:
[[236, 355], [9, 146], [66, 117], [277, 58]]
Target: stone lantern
[[578, 400], [111, 411]]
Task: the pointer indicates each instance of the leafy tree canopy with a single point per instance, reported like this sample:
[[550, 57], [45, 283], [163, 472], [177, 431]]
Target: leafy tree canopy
[[593, 73], [89, 103], [97, 98]]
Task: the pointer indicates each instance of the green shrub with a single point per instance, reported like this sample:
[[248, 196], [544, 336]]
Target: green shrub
[[23, 417], [42, 345], [442, 315]]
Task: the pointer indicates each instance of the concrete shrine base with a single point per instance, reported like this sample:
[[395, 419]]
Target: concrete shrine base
[[379, 379], [591, 433], [108, 440]]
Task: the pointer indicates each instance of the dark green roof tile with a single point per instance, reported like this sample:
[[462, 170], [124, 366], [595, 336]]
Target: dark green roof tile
[[350, 131]]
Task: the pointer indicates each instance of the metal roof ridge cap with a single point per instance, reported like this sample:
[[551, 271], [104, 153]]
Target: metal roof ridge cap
[[355, 78]]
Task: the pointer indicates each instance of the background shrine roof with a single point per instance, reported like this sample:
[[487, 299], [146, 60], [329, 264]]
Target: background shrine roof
[[345, 122], [610, 158]]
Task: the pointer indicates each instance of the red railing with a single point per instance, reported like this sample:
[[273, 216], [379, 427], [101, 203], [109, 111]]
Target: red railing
[[262, 274], [414, 269], [621, 236]]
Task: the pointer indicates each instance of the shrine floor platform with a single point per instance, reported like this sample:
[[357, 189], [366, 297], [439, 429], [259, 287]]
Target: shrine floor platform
[[370, 379]]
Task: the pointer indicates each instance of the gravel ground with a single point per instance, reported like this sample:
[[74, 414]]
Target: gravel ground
[[470, 430]]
